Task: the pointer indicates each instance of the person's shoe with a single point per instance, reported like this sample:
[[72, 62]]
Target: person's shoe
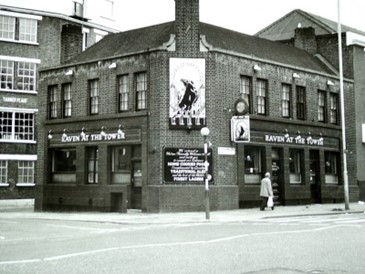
[[272, 208]]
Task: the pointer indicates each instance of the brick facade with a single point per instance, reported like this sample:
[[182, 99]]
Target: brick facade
[[149, 132]]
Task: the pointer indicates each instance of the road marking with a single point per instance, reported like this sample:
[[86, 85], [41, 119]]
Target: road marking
[[218, 240]]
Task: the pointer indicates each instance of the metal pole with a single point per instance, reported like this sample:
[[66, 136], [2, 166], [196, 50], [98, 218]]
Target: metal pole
[[344, 149], [206, 164]]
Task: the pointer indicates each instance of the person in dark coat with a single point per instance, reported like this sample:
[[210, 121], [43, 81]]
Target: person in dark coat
[[266, 191]]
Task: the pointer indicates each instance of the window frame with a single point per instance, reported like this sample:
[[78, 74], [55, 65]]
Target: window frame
[[67, 157], [322, 106], [123, 93], [94, 97], [22, 28], [19, 127], [334, 103], [141, 90], [66, 100], [26, 172], [261, 96], [4, 172], [286, 100], [301, 103], [296, 168], [246, 90], [92, 156], [53, 102]]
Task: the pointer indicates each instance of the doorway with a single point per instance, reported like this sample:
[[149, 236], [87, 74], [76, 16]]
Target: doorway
[[314, 176], [136, 187], [277, 175]]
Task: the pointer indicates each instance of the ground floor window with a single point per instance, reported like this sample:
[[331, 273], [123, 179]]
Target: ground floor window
[[64, 165], [331, 167], [253, 161], [296, 159], [3, 172], [93, 160], [25, 172]]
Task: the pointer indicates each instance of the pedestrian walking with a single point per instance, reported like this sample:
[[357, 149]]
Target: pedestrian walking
[[266, 191]]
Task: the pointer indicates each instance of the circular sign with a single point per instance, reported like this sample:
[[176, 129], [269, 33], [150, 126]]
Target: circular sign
[[241, 107]]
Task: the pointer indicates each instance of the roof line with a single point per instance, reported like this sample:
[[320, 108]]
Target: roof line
[[57, 15]]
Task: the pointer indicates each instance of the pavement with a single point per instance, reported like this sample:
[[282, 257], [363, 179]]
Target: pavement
[[24, 209]]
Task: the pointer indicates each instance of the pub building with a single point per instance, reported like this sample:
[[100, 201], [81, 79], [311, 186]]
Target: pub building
[[120, 124]]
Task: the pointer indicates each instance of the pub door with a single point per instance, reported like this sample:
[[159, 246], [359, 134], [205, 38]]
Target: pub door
[[314, 176], [136, 187], [277, 175]]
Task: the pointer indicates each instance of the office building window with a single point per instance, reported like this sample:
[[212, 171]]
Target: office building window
[[54, 101], [18, 29], [141, 91], [26, 172], [333, 108], [93, 159], [3, 171], [301, 103], [17, 75], [321, 106], [246, 90], [16, 126], [67, 100], [285, 100], [94, 96], [123, 93], [7, 27], [261, 87]]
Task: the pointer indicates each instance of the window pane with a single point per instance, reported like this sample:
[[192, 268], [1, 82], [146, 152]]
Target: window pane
[[27, 30], [3, 172], [295, 161], [64, 160], [93, 158], [301, 103], [141, 92], [67, 100], [26, 76], [24, 126], [245, 89], [53, 102], [334, 107], [26, 172], [7, 27], [321, 106], [261, 96], [6, 125], [285, 100], [6, 74], [94, 96], [123, 93]]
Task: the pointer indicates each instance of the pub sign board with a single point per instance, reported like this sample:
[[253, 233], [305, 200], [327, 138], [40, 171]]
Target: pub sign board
[[186, 165]]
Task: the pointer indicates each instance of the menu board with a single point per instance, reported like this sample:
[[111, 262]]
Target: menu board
[[186, 165]]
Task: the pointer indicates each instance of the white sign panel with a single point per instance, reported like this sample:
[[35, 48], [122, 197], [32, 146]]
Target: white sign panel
[[240, 129]]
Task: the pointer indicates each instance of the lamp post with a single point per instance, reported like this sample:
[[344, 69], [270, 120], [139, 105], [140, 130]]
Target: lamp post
[[205, 132]]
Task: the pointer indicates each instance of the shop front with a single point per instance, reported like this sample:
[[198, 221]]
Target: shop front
[[305, 167]]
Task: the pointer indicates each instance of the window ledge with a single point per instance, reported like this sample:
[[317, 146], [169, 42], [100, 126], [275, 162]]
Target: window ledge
[[4, 185], [19, 42], [20, 91], [25, 184], [17, 141]]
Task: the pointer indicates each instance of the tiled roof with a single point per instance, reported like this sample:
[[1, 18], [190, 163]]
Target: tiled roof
[[152, 37]]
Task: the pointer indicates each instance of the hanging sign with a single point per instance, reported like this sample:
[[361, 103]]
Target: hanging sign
[[240, 129]]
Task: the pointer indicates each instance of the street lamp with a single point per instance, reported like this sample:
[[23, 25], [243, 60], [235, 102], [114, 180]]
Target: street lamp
[[205, 132]]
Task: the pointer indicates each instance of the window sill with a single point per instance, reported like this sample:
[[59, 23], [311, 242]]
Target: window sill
[[20, 91], [20, 42], [4, 185], [17, 141], [25, 185]]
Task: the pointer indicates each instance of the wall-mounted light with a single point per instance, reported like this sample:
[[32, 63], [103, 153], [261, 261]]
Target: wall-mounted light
[[82, 134], [298, 136], [112, 65], [120, 132], [286, 133], [50, 135], [248, 158], [102, 132], [256, 68], [330, 83], [296, 75], [328, 163], [69, 72], [64, 135]]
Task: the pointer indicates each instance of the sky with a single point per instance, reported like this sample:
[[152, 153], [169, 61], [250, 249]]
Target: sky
[[239, 15]]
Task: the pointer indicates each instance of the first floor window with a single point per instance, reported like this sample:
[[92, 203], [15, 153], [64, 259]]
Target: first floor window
[[64, 165], [261, 87], [296, 160], [17, 75], [141, 91], [7, 27], [26, 172], [334, 108], [3, 172], [301, 103], [67, 100], [245, 89], [92, 167], [94, 96], [285, 100], [331, 167], [123, 92], [6, 74], [53, 102], [321, 106]]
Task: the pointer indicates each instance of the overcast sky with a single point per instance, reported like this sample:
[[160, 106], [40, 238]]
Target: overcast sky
[[240, 15]]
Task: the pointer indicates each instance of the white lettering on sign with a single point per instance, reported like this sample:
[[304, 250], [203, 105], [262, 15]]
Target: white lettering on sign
[[294, 140], [93, 137], [15, 100]]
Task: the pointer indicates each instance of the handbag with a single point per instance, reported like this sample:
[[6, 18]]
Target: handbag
[[270, 202]]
